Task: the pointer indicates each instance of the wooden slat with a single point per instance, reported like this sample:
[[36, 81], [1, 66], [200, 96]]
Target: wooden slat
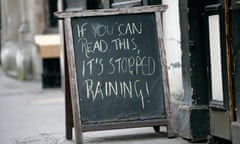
[[73, 81], [164, 73], [122, 125], [229, 60], [68, 102], [115, 11]]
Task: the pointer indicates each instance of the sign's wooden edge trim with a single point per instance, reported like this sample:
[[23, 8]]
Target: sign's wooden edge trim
[[73, 81], [122, 125], [163, 59], [113, 11]]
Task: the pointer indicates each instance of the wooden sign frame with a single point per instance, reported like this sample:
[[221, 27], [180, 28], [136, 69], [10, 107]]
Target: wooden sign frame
[[71, 76]]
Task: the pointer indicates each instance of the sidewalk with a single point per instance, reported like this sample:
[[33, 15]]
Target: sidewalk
[[31, 115]]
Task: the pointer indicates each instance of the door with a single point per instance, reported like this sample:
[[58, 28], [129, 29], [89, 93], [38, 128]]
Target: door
[[219, 72]]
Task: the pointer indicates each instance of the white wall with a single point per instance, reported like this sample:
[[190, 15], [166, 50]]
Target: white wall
[[37, 15], [171, 27]]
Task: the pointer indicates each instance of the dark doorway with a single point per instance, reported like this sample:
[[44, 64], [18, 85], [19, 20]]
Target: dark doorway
[[52, 6]]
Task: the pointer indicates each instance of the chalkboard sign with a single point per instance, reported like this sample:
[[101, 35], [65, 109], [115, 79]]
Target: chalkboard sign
[[117, 68]]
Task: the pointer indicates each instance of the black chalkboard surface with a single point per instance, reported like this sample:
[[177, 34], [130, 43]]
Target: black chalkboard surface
[[117, 68]]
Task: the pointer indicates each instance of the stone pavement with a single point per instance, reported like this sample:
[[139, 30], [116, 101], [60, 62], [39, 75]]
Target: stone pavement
[[32, 115]]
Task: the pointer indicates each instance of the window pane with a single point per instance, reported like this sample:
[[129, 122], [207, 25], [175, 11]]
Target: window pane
[[215, 54]]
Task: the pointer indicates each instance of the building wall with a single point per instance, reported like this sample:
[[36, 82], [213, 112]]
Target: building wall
[[14, 14], [172, 42], [38, 26], [186, 69], [37, 16], [174, 53], [10, 20]]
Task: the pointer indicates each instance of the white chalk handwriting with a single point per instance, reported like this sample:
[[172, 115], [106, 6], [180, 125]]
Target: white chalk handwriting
[[95, 40], [125, 89]]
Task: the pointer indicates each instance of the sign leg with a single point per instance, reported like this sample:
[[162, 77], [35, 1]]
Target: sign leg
[[68, 102], [78, 135], [170, 131], [156, 129]]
